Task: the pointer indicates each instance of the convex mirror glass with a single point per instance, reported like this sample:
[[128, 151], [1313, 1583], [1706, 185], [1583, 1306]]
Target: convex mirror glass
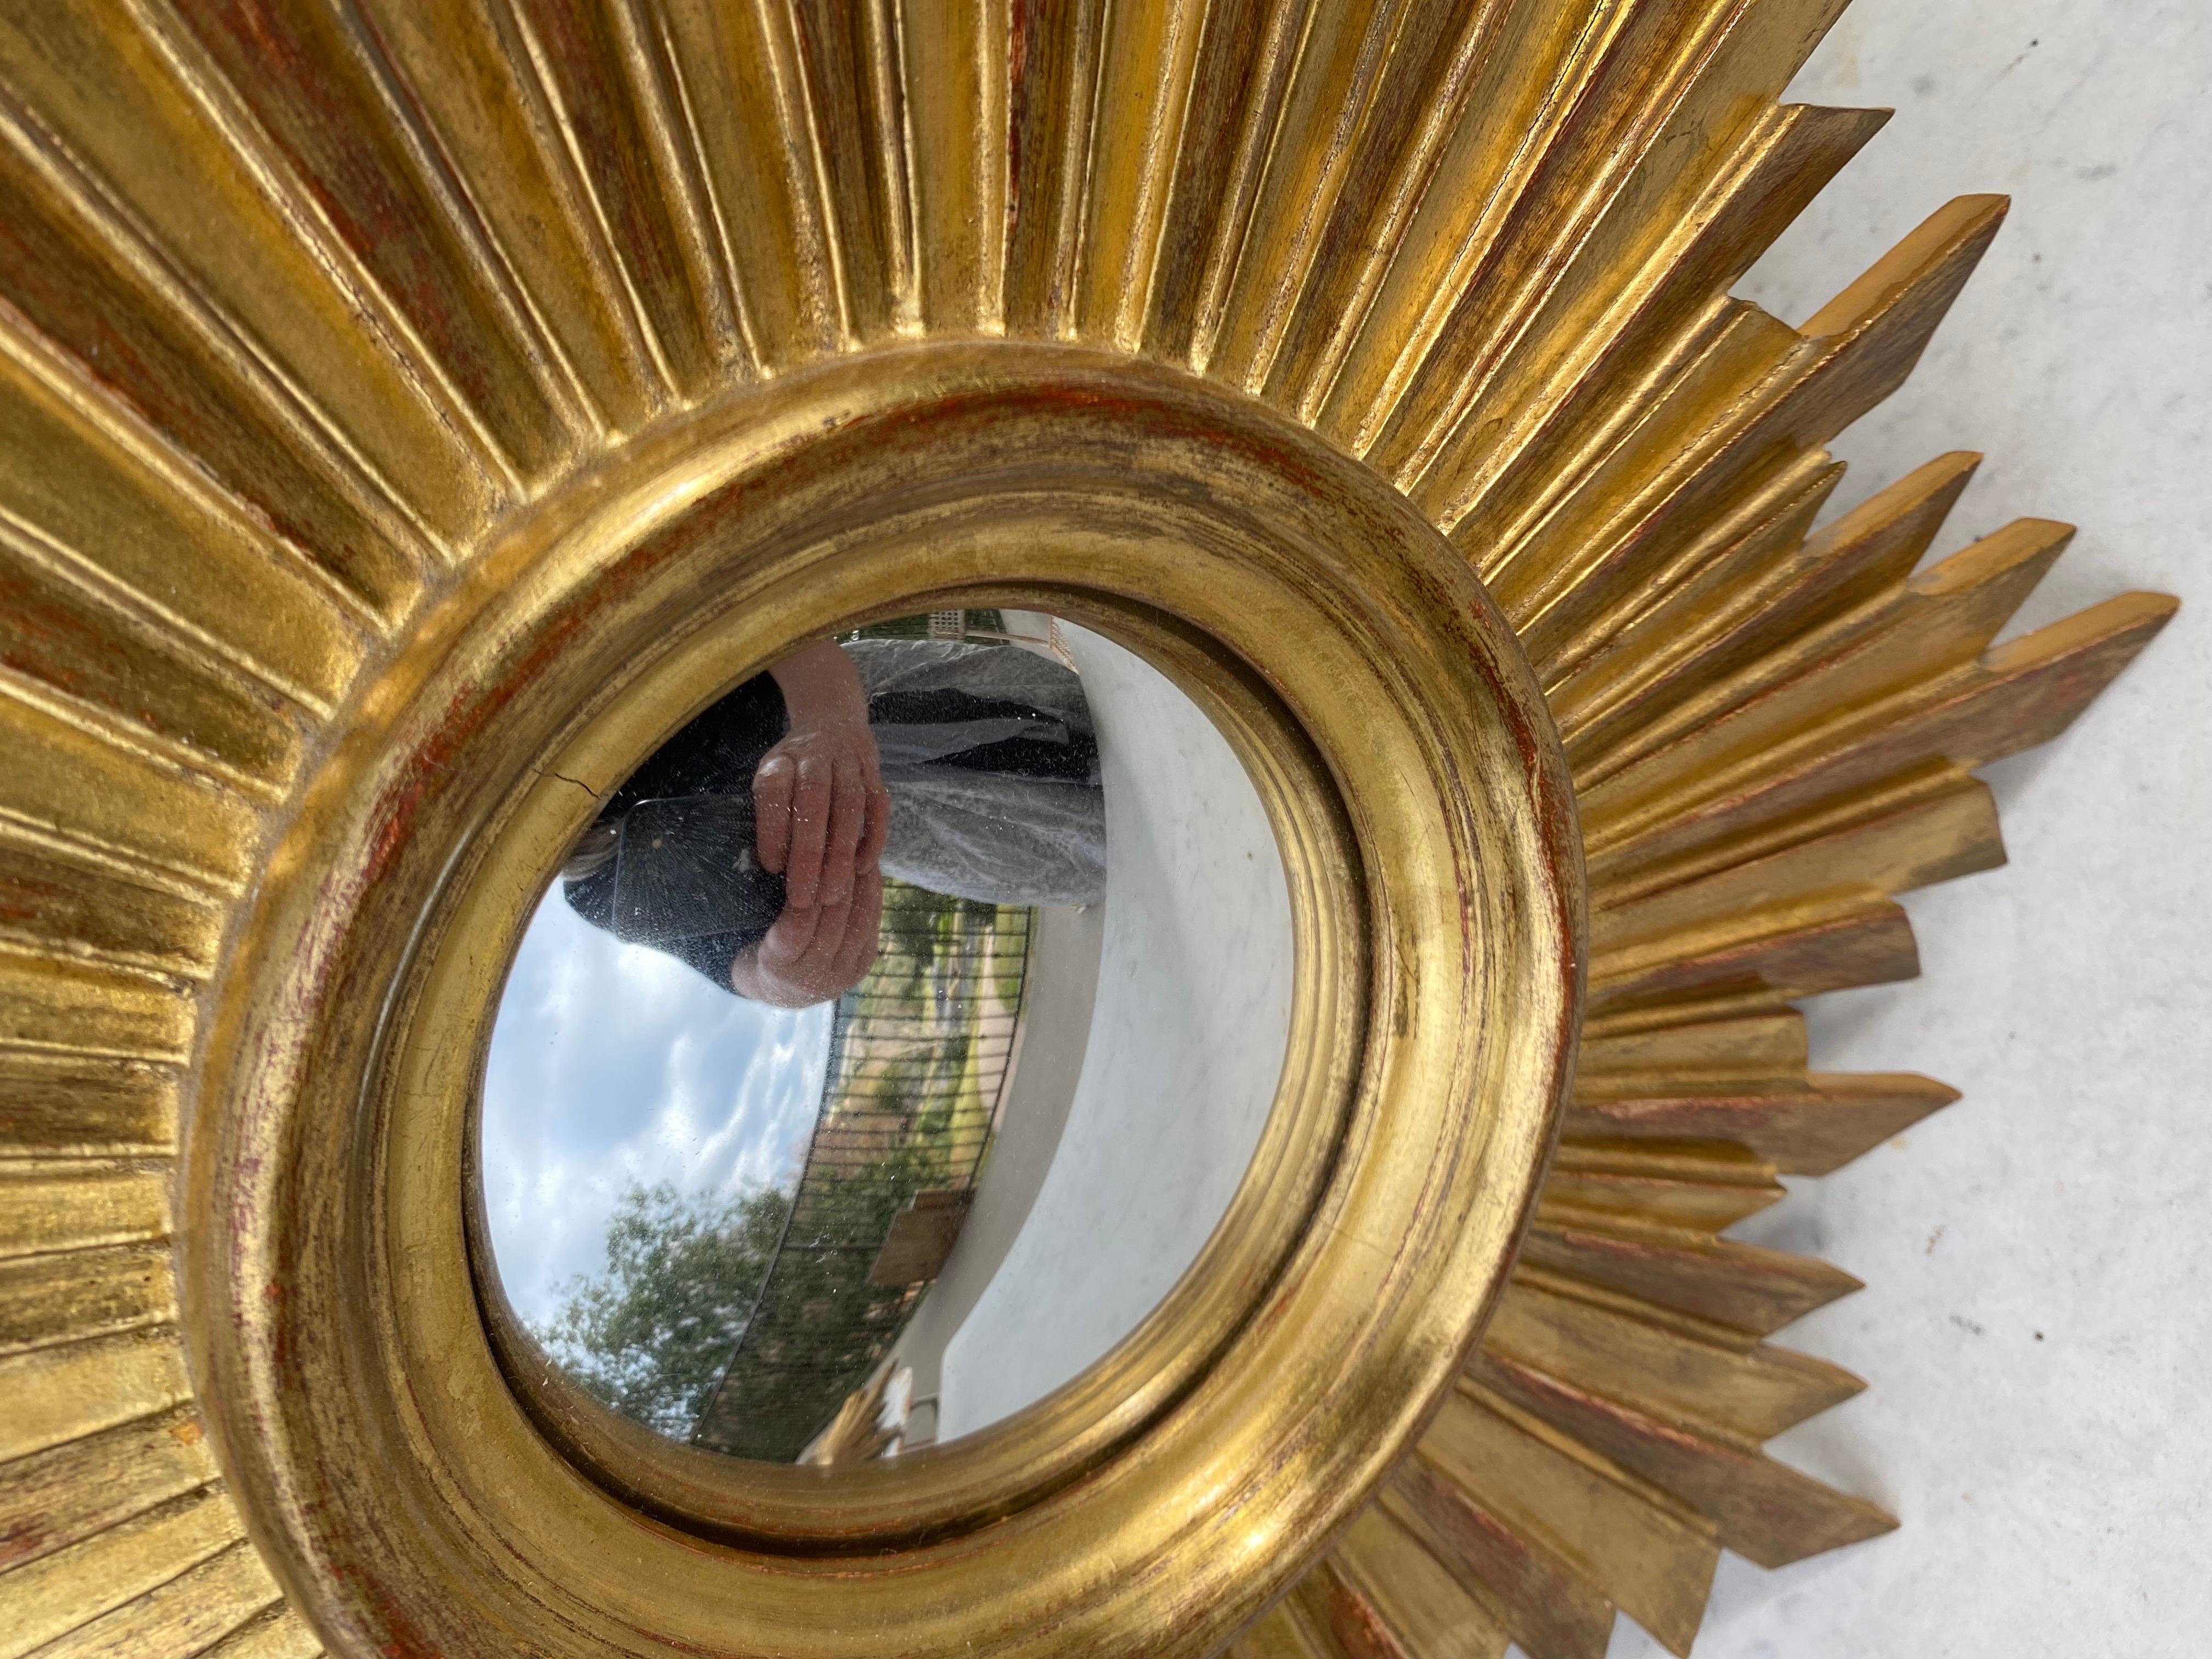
[[890, 1043]]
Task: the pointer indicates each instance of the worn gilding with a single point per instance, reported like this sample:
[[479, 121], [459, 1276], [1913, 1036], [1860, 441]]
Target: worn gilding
[[409, 411]]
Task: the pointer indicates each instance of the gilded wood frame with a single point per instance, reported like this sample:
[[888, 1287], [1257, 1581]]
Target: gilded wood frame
[[355, 354], [1427, 827]]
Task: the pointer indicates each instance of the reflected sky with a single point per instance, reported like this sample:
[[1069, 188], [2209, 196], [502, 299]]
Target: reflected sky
[[614, 1064]]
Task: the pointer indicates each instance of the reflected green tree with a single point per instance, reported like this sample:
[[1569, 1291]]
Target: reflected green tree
[[650, 1335], [752, 1321]]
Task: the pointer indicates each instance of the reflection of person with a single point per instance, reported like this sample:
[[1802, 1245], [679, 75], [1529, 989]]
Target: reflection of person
[[969, 770], [823, 815]]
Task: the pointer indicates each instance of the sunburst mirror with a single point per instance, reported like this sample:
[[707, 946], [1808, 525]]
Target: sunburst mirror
[[933, 827]]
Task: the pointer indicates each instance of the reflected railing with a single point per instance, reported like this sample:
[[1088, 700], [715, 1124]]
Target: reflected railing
[[920, 1053]]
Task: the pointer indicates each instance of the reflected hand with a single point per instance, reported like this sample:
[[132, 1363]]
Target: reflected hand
[[816, 953], [822, 812], [822, 815]]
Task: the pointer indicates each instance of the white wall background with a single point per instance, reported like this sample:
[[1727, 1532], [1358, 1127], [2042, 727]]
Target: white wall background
[[2037, 1327], [1185, 1051]]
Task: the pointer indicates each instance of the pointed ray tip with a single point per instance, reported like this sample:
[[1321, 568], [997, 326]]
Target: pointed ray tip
[[1853, 1520], [1955, 235], [2158, 607], [2029, 543], [1941, 480], [1941, 1093], [2133, 620], [2121, 627], [1857, 123], [1853, 126]]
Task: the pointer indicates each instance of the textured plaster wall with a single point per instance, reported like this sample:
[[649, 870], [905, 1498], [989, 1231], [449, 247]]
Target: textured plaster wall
[[2037, 1327]]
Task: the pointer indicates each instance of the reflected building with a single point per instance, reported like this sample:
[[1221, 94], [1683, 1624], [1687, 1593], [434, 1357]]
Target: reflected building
[[921, 1054]]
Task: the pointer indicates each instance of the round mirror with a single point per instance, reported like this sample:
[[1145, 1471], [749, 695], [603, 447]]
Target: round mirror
[[890, 1043]]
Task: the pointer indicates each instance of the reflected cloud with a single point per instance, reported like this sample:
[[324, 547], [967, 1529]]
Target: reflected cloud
[[614, 1064]]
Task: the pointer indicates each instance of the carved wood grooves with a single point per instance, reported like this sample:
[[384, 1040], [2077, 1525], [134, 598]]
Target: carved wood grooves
[[300, 298]]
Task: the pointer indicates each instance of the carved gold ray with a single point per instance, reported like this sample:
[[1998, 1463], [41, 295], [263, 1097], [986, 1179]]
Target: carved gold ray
[[300, 300]]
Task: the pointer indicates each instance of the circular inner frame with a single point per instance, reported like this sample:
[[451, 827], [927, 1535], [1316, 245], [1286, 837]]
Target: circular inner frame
[[863, 1507], [370, 1405]]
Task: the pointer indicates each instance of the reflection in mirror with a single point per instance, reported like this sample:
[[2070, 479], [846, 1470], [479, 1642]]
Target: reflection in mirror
[[890, 1043]]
